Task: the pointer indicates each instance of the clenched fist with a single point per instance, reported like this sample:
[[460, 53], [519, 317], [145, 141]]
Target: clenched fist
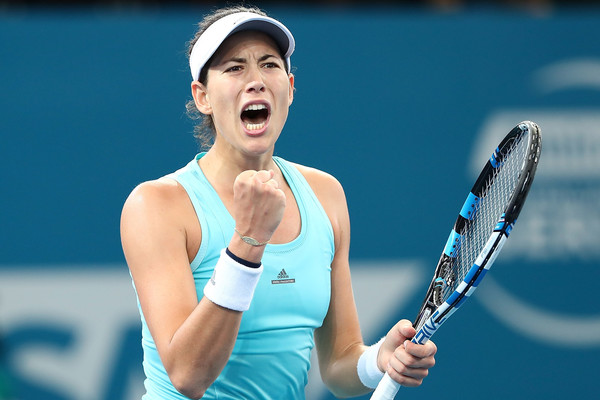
[[258, 204]]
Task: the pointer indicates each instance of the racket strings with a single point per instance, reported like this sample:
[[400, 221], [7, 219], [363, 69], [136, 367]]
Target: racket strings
[[497, 192]]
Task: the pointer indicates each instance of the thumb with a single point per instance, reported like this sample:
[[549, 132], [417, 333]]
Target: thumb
[[396, 337], [407, 331], [400, 333]]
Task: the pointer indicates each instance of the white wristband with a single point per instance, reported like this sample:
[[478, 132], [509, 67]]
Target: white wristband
[[368, 372], [232, 284]]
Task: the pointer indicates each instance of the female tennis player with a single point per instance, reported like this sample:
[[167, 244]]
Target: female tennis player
[[240, 258]]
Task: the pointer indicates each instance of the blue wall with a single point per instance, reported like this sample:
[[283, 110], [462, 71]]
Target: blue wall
[[391, 101]]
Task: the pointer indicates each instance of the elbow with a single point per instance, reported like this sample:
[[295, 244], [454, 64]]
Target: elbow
[[339, 393], [189, 384], [336, 388], [192, 394], [192, 378], [188, 388]]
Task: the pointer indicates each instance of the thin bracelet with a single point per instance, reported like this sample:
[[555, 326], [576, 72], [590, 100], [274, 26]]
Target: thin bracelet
[[250, 240]]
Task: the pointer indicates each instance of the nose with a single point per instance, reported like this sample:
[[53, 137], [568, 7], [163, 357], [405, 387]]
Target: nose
[[255, 81], [255, 86]]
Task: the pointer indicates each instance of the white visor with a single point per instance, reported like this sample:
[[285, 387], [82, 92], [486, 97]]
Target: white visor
[[208, 43]]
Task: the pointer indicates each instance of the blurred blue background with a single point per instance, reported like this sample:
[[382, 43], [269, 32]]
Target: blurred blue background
[[402, 104]]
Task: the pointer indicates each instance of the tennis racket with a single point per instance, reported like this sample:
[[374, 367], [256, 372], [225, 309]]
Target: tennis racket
[[484, 223]]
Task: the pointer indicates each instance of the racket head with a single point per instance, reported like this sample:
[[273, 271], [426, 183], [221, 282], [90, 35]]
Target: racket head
[[526, 139], [534, 140], [492, 206], [513, 166]]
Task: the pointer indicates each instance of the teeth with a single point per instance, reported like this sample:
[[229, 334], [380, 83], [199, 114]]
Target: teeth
[[255, 127], [255, 107]]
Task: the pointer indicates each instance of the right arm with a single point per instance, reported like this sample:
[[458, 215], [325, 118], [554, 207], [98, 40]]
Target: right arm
[[194, 339]]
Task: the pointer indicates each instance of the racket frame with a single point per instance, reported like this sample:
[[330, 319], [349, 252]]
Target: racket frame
[[431, 315]]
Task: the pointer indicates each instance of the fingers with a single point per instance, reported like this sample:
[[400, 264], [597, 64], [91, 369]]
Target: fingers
[[269, 179], [263, 176], [410, 362], [258, 204], [420, 351], [250, 177], [414, 357], [406, 376], [273, 183]]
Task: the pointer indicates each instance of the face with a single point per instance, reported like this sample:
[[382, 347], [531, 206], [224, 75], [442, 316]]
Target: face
[[248, 93]]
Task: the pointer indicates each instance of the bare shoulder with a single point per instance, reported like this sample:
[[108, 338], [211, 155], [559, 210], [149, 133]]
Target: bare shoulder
[[156, 202], [326, 186], [158, 221], [160, 193]]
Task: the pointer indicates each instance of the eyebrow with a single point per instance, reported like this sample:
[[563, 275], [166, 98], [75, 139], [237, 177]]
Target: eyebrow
[[243, 60]]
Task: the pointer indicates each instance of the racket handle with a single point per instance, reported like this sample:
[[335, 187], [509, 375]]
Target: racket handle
[[387, 389]]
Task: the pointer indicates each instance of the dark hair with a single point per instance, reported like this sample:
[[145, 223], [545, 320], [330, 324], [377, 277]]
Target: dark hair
[[205, 131]]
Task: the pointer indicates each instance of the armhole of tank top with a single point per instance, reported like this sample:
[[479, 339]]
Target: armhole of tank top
[[297, 179], [201, 219]]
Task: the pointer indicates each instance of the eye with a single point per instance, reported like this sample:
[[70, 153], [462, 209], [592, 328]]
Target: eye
[[234, 68], [271, 64]]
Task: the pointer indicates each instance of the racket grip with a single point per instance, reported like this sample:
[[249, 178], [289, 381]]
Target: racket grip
[[386, 390]]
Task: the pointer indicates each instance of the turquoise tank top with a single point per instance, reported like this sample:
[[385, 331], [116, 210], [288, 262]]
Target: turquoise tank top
[[271, 356]]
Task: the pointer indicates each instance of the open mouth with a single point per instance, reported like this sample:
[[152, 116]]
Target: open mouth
[[255, 116]]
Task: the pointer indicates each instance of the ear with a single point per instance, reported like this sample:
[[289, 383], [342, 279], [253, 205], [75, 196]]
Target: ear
[[200, 96], [291, 90]]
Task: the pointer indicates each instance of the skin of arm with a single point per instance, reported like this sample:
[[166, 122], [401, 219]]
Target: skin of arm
[[339, 341], [194, 339], [160, 234]]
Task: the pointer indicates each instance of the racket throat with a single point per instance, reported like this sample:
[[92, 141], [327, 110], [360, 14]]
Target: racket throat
[[422, 317]]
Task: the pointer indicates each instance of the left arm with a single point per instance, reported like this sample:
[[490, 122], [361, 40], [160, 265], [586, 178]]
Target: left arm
[[339, 340]]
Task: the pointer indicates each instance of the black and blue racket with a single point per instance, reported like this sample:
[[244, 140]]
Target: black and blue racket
[[480, 231]]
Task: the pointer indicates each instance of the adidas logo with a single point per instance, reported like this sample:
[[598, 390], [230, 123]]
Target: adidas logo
[[282, 277]]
